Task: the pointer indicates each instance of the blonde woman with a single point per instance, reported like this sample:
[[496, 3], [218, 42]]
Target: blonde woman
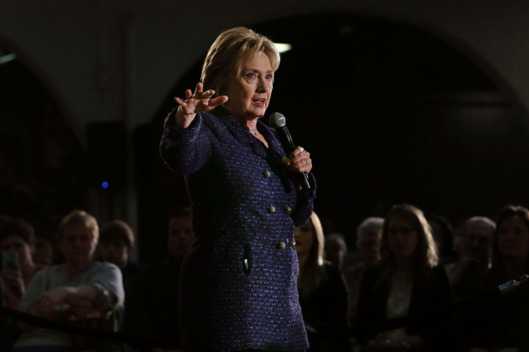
[[322, 292], [238, 285], [73, 291]]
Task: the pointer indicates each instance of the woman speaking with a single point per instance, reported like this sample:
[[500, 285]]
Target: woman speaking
[[238, 285]]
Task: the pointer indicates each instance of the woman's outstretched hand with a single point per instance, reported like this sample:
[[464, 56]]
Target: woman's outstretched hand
[[197, 101]]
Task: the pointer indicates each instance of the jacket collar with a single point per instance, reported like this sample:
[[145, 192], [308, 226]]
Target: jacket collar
[[245, 137]]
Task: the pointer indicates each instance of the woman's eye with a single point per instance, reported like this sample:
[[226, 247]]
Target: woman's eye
[[269, 77], [250, 75]]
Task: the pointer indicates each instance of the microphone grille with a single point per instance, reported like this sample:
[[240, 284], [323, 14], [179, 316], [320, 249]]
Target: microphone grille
[[277, 120]]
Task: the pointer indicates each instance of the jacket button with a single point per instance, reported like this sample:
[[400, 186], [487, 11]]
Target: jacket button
[[271, 209], [288, 209], [267, 173], [281, 245]]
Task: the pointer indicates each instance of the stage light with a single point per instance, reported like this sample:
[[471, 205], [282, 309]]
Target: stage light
[[105, 185], [6, 58], [282, 47]]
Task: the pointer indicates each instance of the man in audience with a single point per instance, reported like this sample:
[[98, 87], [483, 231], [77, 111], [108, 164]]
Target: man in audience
[[116, 242], [368, 235], [475, 257], [152, 306]]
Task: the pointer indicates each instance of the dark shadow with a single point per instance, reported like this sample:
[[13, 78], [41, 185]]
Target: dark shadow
[[41, 161]]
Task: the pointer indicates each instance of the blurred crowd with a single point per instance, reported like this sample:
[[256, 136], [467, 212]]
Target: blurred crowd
[[412, 282]]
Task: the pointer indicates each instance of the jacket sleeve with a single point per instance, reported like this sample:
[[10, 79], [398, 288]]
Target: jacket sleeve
[[185, 151], [305, 205]]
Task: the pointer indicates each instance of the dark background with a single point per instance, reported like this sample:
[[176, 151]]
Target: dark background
[[389, 112]]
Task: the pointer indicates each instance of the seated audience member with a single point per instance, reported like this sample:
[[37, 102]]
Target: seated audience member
[[80, 291], [335, 249], [152, 303], [443, 235], [17, 240], [44, 253], [322, 293], [18, 268], [405, 282], [500, 323], [368, 236], [116, 242], [475, 257]]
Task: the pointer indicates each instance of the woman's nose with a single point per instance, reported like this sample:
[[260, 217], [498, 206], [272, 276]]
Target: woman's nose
[[264, 85]]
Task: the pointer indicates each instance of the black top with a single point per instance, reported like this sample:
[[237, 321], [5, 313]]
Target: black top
[[429, 314]]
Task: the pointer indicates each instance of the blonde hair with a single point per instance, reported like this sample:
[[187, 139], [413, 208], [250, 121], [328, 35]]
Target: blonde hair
[[228, 51], [310, 277], [79, 217]]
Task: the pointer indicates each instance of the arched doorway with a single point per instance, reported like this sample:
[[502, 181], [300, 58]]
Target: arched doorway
[[42, 172]]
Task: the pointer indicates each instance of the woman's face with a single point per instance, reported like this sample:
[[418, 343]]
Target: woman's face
[[249, 93], [513, 238], [16, 244], [402, 238], [78, 244], [304, 236]]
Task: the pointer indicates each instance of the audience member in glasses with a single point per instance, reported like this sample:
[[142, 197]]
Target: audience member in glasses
[[407, 281]]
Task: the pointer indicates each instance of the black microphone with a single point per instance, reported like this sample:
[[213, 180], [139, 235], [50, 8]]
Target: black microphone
[[278, 121]]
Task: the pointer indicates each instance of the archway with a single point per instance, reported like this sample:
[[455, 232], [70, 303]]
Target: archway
[[42, 162]]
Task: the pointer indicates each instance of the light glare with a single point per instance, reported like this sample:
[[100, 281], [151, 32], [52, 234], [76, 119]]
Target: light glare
[[282, 47]]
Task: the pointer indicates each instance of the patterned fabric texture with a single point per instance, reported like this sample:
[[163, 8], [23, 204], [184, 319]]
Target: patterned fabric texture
[[238, 285]]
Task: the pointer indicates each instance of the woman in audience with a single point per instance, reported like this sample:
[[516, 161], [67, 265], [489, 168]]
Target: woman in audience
[[500, 323], [79, 290], [322, 293], [406, 281]]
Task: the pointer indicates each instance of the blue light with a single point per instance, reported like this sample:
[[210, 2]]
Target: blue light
[[104, 184]]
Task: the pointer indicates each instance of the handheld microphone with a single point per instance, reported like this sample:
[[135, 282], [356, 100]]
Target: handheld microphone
[[278, 121]]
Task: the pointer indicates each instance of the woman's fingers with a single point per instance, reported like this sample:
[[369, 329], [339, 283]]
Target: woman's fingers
[[301, 160], [218, 101]]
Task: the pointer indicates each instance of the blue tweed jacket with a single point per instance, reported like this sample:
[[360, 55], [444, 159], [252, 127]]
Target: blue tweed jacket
[[239, 282]]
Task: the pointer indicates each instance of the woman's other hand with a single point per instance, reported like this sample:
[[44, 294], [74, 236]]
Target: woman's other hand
[[197, 101]]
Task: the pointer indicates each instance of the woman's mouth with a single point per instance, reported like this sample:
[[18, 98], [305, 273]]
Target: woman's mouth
[[261, 101]]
